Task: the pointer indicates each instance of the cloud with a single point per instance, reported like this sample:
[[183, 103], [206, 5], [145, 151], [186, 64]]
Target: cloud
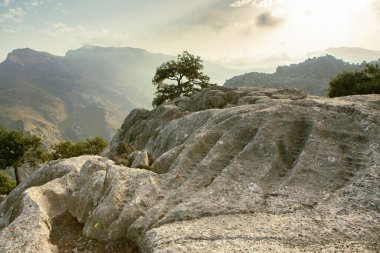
[[15, 15], [265, 3], [82, 35], [254, 3], [247, 60], [240, 3], [6, 3], [377, 6], [60, 8], [268, 19], [217, 20], [268, 13], [34, 3]]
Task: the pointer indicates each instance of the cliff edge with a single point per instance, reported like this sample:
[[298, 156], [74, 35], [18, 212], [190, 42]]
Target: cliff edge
[[230, 170]]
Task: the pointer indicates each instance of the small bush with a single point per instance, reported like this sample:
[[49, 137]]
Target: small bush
[[356, 83], [123, 151], [91, 146], [121, 161], [125, 148], [145, 167], [6, 183]]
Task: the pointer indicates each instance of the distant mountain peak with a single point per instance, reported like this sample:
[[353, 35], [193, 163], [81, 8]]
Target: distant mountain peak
[[352, 49], [350, 54], [28, 56], [91, 49]]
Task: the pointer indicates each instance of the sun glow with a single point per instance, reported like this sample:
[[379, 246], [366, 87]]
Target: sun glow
[[331, 12], [308, 26], [335, 21]]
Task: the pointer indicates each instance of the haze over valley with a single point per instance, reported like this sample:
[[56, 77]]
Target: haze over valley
[[88, 92], [101, 56], [209, 126]]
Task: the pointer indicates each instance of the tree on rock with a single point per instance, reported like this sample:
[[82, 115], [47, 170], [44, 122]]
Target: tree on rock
[[179, 78], [354, 83], [17, 149]]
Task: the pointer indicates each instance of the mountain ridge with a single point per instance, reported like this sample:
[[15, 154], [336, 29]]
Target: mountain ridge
[[312, 75], [50, 95], [353, 54]]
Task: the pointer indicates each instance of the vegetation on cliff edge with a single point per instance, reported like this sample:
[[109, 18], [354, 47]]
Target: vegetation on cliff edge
[[179, 78], [366, 81], [19, 149]]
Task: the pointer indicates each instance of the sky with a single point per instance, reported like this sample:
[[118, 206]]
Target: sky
[[236, 33]]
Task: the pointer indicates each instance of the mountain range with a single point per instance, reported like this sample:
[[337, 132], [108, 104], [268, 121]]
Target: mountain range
[[312, 75], [350, 54], [85, 93], [89, 91]]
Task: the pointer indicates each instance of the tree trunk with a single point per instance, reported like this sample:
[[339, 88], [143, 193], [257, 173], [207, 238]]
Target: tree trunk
[[17, 176]]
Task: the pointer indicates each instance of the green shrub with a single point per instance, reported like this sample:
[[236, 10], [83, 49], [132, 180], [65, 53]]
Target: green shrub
[[355, 83], [91, 146], [6, 183]]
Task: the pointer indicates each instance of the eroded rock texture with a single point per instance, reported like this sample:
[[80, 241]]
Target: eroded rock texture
[[248, 170]]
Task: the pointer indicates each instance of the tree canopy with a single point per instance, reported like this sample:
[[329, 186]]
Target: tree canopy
[[358, 82], [17, 149], [179, 78]]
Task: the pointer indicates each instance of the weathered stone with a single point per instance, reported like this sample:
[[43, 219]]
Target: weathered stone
[[139, 159], [25, 216], [250, 100], [140, 119], [212, 99], [288, 93], [285, 174], [215, 97], [164, 161], [182, 102]]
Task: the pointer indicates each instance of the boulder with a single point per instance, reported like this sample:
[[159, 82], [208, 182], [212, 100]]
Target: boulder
[[283, 174]]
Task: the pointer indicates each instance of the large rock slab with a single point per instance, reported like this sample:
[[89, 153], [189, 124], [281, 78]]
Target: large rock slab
[[266, 170]]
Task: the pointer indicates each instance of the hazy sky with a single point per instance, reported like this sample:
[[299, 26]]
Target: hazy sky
[[236, 32]]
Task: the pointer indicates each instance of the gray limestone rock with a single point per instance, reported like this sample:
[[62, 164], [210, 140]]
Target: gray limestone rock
[[287, 173], [139, 159], [182, 102]]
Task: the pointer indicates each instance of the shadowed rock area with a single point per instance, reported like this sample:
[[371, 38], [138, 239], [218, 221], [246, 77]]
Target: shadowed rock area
[[230, 170]]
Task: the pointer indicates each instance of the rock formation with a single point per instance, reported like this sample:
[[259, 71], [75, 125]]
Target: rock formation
[[230, 170]]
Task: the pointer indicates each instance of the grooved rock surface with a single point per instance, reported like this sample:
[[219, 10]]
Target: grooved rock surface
[[235, 170]]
